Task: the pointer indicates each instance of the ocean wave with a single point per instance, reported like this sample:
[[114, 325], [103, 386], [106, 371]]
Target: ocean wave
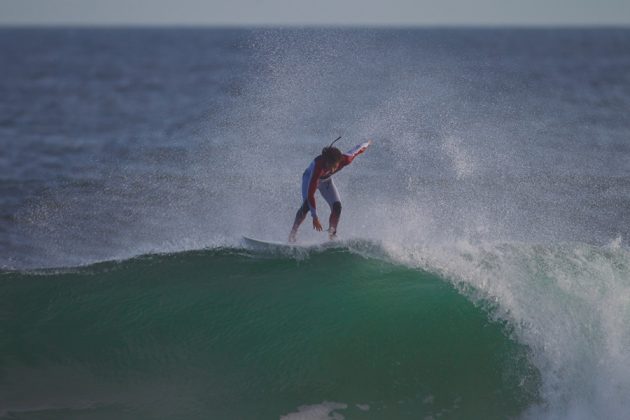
[[241, 325], [558, 313]]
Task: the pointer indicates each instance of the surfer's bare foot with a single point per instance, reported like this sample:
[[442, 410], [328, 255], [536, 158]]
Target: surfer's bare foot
[[332, 234], [292, 237]]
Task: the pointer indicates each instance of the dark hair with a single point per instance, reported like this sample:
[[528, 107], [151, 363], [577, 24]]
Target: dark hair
[[332, 155]]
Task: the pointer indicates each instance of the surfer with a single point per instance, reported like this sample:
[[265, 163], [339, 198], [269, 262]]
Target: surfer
[[318, 175]]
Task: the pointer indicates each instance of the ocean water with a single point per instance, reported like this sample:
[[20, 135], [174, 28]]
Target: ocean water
[[482, 270]]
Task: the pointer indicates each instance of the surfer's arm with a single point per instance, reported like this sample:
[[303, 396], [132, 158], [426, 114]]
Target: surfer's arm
[[349, 156]]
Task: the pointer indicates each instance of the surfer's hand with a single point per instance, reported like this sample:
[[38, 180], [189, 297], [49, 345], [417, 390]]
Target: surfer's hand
[[316, 225]]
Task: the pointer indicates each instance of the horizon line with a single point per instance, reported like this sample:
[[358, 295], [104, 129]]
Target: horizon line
[[180, 25]]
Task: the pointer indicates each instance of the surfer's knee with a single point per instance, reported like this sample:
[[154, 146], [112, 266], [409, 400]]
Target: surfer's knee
[[336, 207]]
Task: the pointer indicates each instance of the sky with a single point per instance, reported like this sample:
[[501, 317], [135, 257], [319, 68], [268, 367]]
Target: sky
[[316, 12]]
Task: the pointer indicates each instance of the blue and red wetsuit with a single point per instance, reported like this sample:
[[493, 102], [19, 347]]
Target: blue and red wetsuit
[[317, 176]]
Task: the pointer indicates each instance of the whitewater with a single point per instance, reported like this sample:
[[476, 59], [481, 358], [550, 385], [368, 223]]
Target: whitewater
[[482, 270]]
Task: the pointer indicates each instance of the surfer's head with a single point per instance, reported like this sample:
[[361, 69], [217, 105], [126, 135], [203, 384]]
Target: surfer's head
[[332, 157]]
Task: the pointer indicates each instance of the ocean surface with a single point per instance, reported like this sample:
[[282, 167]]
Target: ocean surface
[[482, 269]]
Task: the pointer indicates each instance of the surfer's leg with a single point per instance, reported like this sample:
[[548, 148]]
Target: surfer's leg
[[302, 211], [299, 218], [331, 195], [335, 214]]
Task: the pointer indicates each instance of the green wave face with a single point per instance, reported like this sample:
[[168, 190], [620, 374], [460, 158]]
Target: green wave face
[[233, 335]]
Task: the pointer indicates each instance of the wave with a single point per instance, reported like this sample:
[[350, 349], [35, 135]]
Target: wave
[[469, 330], [233, 333]]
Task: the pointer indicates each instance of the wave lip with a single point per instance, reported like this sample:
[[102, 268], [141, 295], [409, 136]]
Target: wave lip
[[567, 302]]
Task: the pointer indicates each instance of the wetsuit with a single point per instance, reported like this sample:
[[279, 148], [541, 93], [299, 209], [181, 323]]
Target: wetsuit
[[316, 176]]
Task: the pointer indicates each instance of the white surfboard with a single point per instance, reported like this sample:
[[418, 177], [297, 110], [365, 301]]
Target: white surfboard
[[284, 246]]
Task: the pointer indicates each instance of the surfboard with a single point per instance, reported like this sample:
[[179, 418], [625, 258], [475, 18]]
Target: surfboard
[[283, 246]]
